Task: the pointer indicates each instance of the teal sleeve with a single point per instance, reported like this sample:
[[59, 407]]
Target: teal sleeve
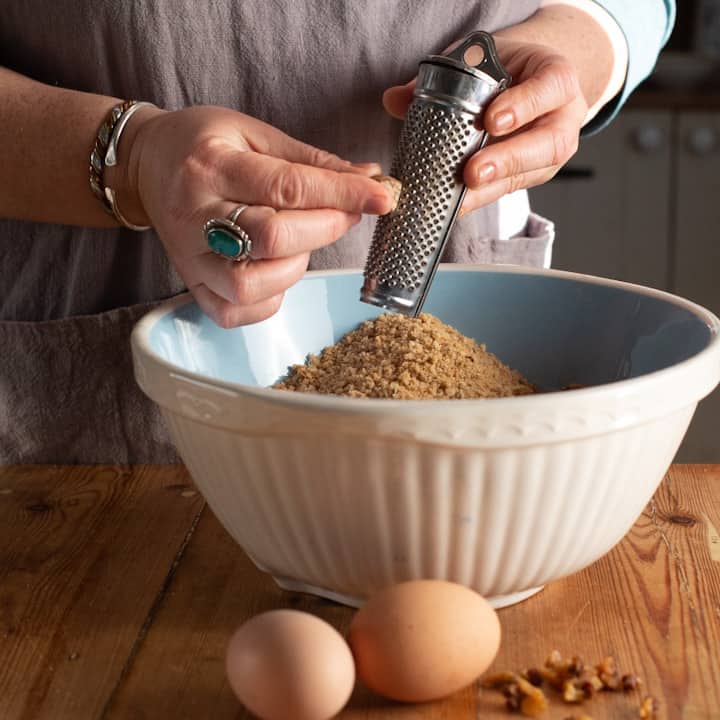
[[647, 25]]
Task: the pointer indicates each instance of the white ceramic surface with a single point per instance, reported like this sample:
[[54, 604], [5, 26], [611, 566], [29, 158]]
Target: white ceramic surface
[[341, 496]]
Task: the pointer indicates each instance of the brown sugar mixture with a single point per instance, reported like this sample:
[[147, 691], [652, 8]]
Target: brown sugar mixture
[[395, 356]]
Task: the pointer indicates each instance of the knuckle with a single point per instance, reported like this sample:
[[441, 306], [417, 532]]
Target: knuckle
[[561, 75], [225, 316], [511, 167], [286, 187], [535, 105], [196, 172], [203, 159], [567, 79], [335, 227], [274, 236], [515, 183], [274, 304], [321, 158], [265, 310], [243, 287], [564, 146]]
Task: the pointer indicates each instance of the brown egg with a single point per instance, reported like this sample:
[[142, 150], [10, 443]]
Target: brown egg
[[287, 664], [423, 640]]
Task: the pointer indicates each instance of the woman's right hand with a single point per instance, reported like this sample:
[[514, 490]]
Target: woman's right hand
[[187, 167]]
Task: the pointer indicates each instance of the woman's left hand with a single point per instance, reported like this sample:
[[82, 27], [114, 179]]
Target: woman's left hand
[[534, 125]]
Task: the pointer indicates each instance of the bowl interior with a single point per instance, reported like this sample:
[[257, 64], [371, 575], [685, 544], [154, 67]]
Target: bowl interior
[[555, 328]]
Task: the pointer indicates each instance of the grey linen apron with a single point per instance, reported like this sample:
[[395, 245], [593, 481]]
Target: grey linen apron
[[69, 296]]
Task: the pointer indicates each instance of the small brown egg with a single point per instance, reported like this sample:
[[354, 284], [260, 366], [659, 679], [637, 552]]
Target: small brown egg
[[423, 640], [287, 664]]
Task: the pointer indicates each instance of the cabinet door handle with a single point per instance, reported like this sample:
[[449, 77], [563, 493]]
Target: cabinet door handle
[[702, 140], [575, 173], [648, 138]]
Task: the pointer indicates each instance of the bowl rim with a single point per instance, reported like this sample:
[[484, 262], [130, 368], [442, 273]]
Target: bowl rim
[[140, 341]]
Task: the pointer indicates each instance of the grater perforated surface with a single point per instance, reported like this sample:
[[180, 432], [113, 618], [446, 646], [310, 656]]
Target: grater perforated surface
[[439, 133], [434, 143]]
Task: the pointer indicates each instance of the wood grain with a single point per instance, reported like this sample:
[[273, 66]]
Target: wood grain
[[84, 553], [117, 599], [652, 603]]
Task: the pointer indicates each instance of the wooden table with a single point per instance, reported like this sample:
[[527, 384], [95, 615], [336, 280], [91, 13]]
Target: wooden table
[[119, 591]]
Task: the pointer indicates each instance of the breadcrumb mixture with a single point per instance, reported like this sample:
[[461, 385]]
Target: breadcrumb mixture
[[399, 357]]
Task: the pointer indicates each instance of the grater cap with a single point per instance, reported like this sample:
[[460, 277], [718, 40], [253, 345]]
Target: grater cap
[[453, 79]]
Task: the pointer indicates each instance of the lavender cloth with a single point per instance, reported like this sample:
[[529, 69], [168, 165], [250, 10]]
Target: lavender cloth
[[317, 70]]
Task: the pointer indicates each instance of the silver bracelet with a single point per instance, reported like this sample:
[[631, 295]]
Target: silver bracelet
[[105, 154], [111, 160]]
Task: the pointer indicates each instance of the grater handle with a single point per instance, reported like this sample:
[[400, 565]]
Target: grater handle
[[442, 128], [489, 63], [433, 269]]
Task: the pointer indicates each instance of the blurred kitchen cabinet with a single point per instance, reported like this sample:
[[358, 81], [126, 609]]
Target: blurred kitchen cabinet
[[641, 202], [695, 258], [610, 203], [696, 246]]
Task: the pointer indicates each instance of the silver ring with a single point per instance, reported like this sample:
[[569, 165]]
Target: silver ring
[[226, 238]]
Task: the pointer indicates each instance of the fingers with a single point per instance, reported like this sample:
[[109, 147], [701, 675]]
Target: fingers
[[263, 180], [490, 192], [268, 140], [281, 243], [397, 99], [549, 142], [246, 283], [552, 85], [291, 232], [276, 234], [227, 315], [367, 168]]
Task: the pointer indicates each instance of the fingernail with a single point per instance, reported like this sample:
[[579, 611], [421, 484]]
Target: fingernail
[[504, 120], [378, 204], [369, 168], [485, 173]]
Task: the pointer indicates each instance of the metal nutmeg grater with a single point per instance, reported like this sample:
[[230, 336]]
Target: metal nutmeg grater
[[442, 129]]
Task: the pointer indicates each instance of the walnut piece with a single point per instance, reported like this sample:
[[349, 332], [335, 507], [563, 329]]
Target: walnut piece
[[499, 680], [533, 701], [574, 681], [607, 671], [520, 694], [534, 676], [571, 693], [649, 708], [630, 682]]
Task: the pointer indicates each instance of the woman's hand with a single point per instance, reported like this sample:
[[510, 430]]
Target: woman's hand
[[189, 166], [560, 61], [534, 125]]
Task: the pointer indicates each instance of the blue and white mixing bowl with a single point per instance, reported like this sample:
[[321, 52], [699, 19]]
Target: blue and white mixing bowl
[[340, 496]]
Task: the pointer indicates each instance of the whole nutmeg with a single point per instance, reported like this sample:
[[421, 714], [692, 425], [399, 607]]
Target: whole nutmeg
[[392, 185]]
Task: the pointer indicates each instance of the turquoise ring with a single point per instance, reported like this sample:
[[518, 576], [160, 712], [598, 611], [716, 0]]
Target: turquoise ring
[[226, 238]]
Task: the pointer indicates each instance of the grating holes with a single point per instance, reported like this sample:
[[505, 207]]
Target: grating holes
[[428, 168]]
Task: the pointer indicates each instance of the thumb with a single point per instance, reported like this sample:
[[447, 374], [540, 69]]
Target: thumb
[[396, 99]]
